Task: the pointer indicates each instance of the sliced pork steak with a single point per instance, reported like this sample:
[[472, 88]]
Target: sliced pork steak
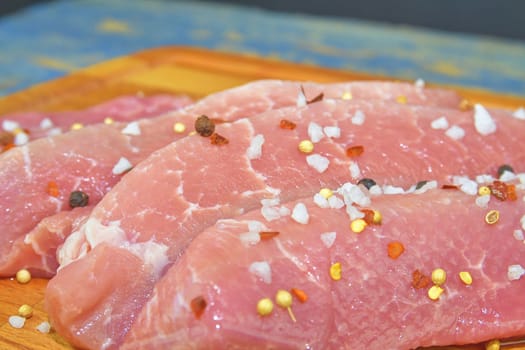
[[86, 159], [208, 300], [27, 126], [181, 189]]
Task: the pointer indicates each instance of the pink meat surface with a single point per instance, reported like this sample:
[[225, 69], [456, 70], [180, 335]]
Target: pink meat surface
[[373, 305], [185, 187], [123, 109], [84, 159]]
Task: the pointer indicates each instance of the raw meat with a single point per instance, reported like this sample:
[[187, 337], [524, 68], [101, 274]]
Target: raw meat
[[84, 159], [185, 187], [373, 306], [123, 109]]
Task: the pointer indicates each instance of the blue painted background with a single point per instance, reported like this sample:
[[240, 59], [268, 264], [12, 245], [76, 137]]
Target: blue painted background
[[51, 40]]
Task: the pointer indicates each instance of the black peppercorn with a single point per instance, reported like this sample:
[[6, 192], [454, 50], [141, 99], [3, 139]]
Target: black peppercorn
[[78, 199], [368, 183], [204, 126]]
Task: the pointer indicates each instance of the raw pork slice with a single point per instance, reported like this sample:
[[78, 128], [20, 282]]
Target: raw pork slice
[[33, 125], [372, 306], [181, 189], [86, 159]]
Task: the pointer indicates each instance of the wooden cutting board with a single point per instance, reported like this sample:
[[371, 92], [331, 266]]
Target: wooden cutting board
[[178, 70]]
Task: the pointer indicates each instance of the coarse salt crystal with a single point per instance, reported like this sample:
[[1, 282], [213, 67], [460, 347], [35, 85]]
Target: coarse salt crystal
[[335, 202], [465, 184], [355, 172], [455, 132], [270, 213], [44, 327], [328, 238], [262, 270], [519, 113], [358, 118], [10, 125], [419, 83], [46, 123], [507, 176], [284, 211], [484, 179], [300, 214], [256, 226], [315, 132], [254, 151], [439, 123], [132, 128], [355, 194], [521, 177], [17, 321], [122, 166], [301, 99], [270, 202], [318, 162], [483, 201], [522, 221], [320, 201], [389, 189], [518, 234], [21, 139], [250, 238], [515, 272], [354, 213], [332, 131], [54, 132], [375, 190], [483, 121]]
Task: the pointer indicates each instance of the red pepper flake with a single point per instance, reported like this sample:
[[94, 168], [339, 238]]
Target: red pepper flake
[[369, 216], [449, 187], [395, 249], [52, 189], [268, 234], [419, 280], [354, 151], [6, 138], [198, 305], [299, 294], [8, 147], [511, 192], [286, 124], [218, 140], [499, 190]]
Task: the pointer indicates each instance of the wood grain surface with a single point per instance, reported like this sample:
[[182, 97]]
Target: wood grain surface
[[177, 70]]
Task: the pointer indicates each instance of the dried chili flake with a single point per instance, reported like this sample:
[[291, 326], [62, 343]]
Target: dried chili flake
[[369, 216], [78, 199], [511, 192], [198, 305], [499, 190], [218, 140], [8, 147], [52, 189], [299, 294], [395, 249], [286, 124], [354, 151], [419, 280], [6, 138], [449, 187], [204, 126], [268, 234]]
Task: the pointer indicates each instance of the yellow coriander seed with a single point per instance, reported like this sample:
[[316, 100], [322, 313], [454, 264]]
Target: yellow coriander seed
[[401, 99], [465, 277], [23, 276], [179, 127], [335, 271], [347, 95], [358, 225], [492, 217], [108, 121], [326, 193], [25, 311], [76, 126], [265, 306], [439, 276], [306, 146], [493, 345], [435, 292], [283, 298], [378, 218], [483, 190]]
